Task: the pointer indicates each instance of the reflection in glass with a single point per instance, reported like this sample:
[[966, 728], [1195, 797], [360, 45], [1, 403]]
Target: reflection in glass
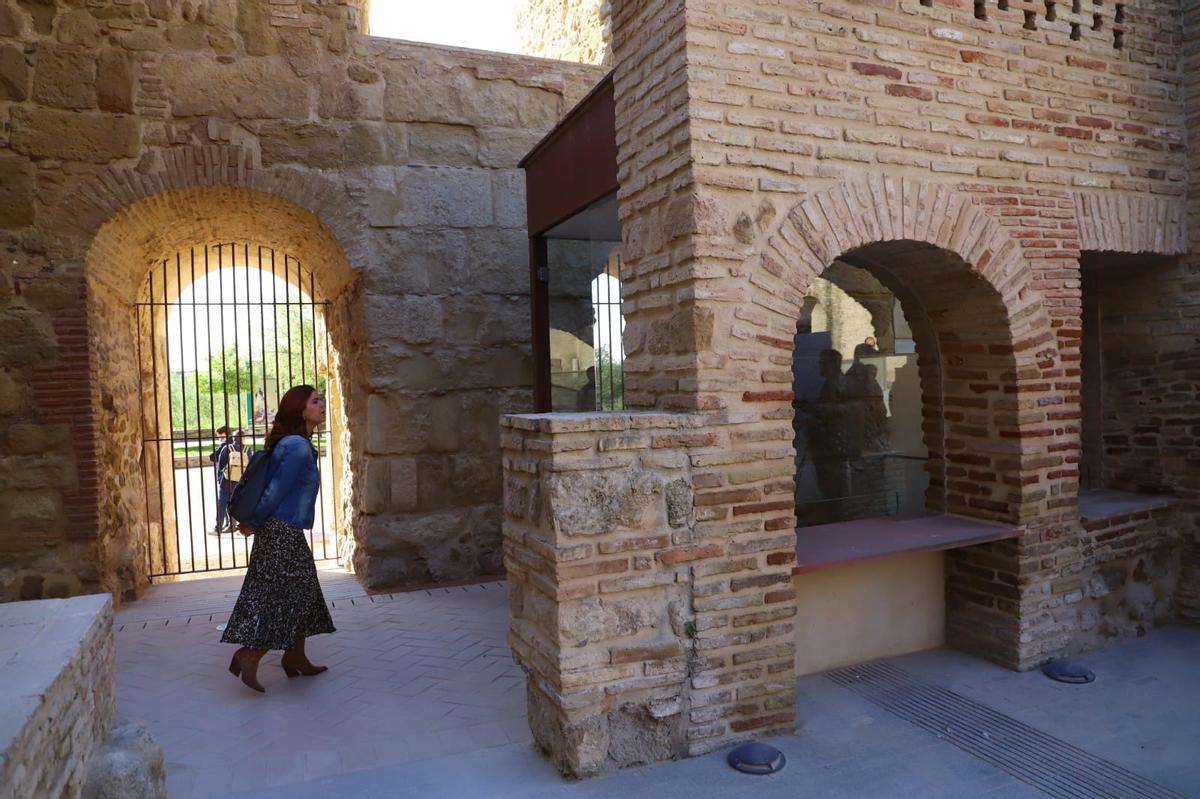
[[584, 289], [859, 445]]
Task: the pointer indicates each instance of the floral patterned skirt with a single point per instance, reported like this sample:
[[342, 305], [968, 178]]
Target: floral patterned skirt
[[281, 598]]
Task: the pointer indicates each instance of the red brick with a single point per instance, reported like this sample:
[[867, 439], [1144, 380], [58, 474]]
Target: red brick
[[877, 69], [912, 92]]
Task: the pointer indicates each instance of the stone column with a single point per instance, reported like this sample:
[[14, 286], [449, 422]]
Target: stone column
[[651, 616]]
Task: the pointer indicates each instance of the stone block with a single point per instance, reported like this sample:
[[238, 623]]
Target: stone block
[[309, 143], [12, 21], [442, 145], [600, 502], [508, 195], [129, 767], [14, 74], [17, 191], [14, 393], [95, 138], [404, 485], [377, 484], [116, 80], [258, 88], [419, 262], [65, 78], [505, 147], [28, 337], [420, 91], [445, 414], [397, 425], [444, 196], [367, 144], [78, 27], [342, 98], [476, 477], [498, 260]]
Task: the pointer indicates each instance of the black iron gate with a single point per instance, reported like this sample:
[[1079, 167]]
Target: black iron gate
[[223, 331]]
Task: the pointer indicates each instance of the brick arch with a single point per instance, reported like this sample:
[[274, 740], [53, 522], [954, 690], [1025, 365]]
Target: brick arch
[[200, 195], [1132, 223], [195, 188], [988, 359], [860, 213]]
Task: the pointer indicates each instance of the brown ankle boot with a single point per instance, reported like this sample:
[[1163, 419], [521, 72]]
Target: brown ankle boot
[[245, 665], [295, 662]]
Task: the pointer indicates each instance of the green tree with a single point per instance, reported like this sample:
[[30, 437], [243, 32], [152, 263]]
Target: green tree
[[216, 395], [610, 382]]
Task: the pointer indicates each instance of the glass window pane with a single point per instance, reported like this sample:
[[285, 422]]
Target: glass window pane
[[860, 449], [583, 276]]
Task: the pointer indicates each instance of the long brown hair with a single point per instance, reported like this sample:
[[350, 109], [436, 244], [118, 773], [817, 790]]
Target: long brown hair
[[289, 419]]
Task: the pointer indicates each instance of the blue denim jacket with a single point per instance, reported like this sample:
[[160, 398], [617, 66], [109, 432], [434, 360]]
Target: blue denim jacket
[[291, 493]]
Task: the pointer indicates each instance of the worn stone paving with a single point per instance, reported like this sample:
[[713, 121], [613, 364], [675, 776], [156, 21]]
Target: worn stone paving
[[411, 675], [423, 699]]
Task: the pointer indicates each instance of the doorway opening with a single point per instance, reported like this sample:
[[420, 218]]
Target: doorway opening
[[223, 331]]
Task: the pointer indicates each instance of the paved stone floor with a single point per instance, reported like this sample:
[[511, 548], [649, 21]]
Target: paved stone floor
[[423, 700]]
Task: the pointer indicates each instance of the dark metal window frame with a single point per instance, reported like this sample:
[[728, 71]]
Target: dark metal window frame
[[574, 166]]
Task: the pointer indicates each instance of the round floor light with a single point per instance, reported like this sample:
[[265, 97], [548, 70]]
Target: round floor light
[[756, 758], [1068, 671]]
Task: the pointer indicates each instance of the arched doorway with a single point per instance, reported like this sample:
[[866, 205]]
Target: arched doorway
[[137, 487], [223, 331]]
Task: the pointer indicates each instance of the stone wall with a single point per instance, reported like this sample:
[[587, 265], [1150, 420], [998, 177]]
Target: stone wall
[[59, 693], [388, 168], [568, 30]]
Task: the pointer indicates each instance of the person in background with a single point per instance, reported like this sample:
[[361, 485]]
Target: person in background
[[230, 448], [281, 604]]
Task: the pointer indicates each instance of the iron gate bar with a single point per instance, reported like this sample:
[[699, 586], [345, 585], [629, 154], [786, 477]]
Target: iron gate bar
[[196, 380], [190, 410], [162, 501], [212, 404], [320, 487]]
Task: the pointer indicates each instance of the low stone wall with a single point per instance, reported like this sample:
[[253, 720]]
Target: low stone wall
[[58, 693]]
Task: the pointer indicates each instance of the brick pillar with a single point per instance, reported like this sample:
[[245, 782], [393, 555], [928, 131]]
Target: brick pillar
[[650, 615]]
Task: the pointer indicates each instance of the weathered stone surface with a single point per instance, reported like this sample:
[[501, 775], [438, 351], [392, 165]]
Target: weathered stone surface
[[17, 191], [28, 336], [300, 142], [42, 12], [116, 81], [445, 145], [14, 73], [255, 28], [250, 89], [435, 196], [129, 767], [593, 503], [78, 27], [93, 138], [404, 485], [348, 99], [12, 21], [679, 502], [300, 49]]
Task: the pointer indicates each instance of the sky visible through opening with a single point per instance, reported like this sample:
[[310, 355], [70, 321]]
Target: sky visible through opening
[[478, 24]]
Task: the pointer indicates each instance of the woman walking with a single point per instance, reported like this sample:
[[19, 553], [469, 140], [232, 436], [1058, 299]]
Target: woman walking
[[281, 603]]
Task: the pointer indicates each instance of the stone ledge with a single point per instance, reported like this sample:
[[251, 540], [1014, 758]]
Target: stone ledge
[[599, 422], [1103, 504], [59, 696]]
